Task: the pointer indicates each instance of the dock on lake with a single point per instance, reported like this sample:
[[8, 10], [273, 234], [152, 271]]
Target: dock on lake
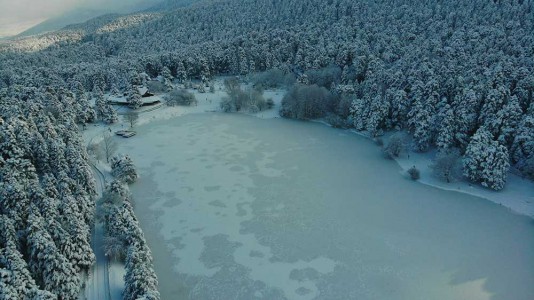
[[126, 133]]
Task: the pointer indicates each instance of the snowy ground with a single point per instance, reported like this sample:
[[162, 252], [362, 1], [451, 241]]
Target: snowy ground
[[518, 194], [239, 208]]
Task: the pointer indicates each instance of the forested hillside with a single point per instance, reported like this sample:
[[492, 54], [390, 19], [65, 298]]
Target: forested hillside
[[46, 195], [455, 74]]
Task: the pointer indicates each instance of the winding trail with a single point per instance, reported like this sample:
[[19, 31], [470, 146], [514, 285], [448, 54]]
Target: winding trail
[[98, 285]]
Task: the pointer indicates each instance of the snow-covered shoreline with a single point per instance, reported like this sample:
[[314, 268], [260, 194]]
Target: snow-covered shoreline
[[517, 195]]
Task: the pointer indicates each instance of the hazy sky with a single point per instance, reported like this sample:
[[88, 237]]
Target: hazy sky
[[19, 15]]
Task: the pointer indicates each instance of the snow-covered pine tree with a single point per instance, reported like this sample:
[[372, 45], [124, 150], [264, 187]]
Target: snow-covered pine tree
[[50, 268], [181, 72], [523, 145], [81, 255], [110, 115], [134, 98], [100, 104], [15, 278], [493, 102], [360, 112], [486, 161], [506, 121], [122, 168], [205, 74], [140, 280], [445, 138], [378, 114], [40, 153], [476, 154], [466, 105], [399, 107], [166, 73], [13, 200], [495, 167], [422, 125]]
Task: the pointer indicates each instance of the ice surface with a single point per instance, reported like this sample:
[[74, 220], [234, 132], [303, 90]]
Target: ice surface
[[235, 207]]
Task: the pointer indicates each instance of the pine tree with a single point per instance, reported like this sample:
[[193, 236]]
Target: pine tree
[[422, 126], [13, 200], [15, 278], [181, 73], [122, 168], [486, 161], [420, 114], [80, 254], [57, 161], [205, 73], [166, 73], [9, 146], [378, 113], [49, 266], [242, 61], [100, 105], [78, 89], [110, 115], [507, 120], [140, 280], [495, 168], [85, 113], [40, 153], [446, 128], [399, 107], [360, 112], [493, 102], [523, 145], [476, 154], [134, 99], [466, 116]]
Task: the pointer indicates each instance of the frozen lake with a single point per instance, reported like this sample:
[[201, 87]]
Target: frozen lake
[[236, 207]]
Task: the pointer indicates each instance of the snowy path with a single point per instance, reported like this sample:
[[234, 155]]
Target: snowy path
[[98, 282], [98, 285]]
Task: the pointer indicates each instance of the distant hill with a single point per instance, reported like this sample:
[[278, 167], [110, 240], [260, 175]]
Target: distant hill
[[81, 15], [72, 17], [171, 5]]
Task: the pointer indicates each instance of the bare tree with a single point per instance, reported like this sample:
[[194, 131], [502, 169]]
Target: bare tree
[[395, 145], [95, 150], [447, 165], [132, 117], [109, 146], [115, 247], [180, 97]]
